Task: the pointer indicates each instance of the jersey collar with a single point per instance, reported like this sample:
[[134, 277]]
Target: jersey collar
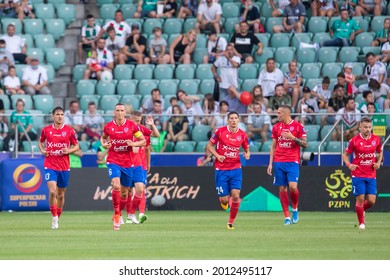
[[120, 124], [368, 138], [58, 128]]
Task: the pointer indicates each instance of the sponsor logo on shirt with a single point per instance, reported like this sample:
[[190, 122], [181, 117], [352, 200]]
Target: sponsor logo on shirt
[[370, 155], [56, 145]]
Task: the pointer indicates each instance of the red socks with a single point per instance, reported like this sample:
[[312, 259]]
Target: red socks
[[59, 212], [129, 203], [54, 210], [116, 199], [122, 204], [360, 213], [294, 199], [136, 201], [366, 205], [233, 211], [142, 204], [284, 201]]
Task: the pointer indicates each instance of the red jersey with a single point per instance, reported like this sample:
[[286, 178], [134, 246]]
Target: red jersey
[[120, 152], [286, 149], [56, 140], [138, 153], [365, 155], [228, 145]]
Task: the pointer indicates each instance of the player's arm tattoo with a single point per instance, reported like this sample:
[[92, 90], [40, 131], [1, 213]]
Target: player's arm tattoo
[[301, 142]]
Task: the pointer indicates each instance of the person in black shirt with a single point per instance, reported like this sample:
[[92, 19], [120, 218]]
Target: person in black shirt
[[251, 15], [336, 102], [135, 48], [243, 43]]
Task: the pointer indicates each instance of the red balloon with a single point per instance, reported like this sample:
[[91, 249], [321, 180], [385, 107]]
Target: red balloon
[[246, 98]]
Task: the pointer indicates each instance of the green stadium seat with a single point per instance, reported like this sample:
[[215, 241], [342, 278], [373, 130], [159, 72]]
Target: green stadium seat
[[317, 24], [332, 69], [324, 130], [85, 87], [266, 11], [248, 71], [15, 22], [56, 57], [374, 50], [312, 132], [207, 86], [27, 147], [201, 41], [151, 23], [173, 26], [271, 22], [358, 68], [50, 72], [198, 55], [128, 9], [279, 40], [6, 103], [203, 71], [126, 87], [364, 39], [311, 71], [67, 12], [102, 2], [230, 24], [55, 27], [230, 10], [44, 11], [44, 41], [284, 54], [143, 71], [107, 11], [306, 55], [36, 52], [105, 88], [28, 39], [78, 72], [349, 54], [109, 115], [44, 103], [169, 147], [108, 102], [185, 71], [168, 86], [19, 70], [86, 99], [333, 147], [320, 37], [331, 21], [321, 112], [184, 147], [123, 72], [327, 54], [139, 21], [264, 38], [312, 146], [133, 100], [200, 146], [189, 86], [28, 103], [189, 24], [267, 53], [377, 23], [266, 147], [33, 26], [254, 147], [84, 146], [145, 86], [301, 37], [54, 2], [200, 133], [248, 85], [171, 38], [39, 120]]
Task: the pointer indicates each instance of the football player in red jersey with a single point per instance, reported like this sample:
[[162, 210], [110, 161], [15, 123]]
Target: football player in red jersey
[[368, 155], [228, 174], [57, 141]]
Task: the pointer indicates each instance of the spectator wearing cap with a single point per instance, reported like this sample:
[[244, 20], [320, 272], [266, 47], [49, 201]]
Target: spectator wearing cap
[[216, 47], [15, 45], [122, 29], [114, 43], [135, 47], [209, 15], [343, 31], [352, 90], [293, 18], [157, 48], [88, 35], [307, 105], [146, 9], [169, 9], [6, 59], [35, 80]]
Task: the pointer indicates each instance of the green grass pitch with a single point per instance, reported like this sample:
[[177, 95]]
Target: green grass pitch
[[194, 235]]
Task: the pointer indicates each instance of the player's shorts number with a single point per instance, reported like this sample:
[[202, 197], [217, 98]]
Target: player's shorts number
[[219, 190], [47, 176], [110, 171]]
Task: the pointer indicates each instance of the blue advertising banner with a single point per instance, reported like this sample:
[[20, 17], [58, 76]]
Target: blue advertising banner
[[22, 185]]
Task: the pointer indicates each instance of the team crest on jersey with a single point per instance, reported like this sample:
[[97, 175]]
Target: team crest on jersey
[[63, 133], [126, 129], [291, 128], [373, 143], [239, 138]]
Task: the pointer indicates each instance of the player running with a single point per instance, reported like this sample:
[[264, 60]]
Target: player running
[[141, 160], [288, 136], [57, 141], [118, 138], [228, 174], [368, 155]]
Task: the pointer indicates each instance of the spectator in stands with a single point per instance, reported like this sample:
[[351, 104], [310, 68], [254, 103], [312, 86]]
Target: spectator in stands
[[350, 6], [209, 15], [103, 60], [35, 80], [94, 123], [278, 11], [258, 97], [382, 35], [370, 7], [182, 96], [206, 160], [293, 82], [258, 124], [25, 10], [134, 50], [122, 29], [216, 47], [325, 8], [191, 113], [16, 45], [74, 118], [12, 82], [371, 109], [307, 105], [228, 78], [350, 117], [172, 101], [251, 15], [89, 33], [243, 43], [177, 127], [93, 66], [368, 98], [336, 102], [6, 59], [114, 43], [343, 31], [293, 18], [210, 108], [182, 47], [352, 90], [280, 98], [373, 70], [24, 122], [157, 48], [169, 9], [384, 57], [322, 93], [188, 8], [3, 123], [270, 77], [158, 118], [146, 9], [9, 9], [381, 93], [148, 105], [219, 119]]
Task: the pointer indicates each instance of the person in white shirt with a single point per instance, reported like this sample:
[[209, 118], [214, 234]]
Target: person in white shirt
[[114, 43], [88, 36], [94, 122], [209, 15], [269, 78], [373, 70], [35, 78], [228, 79], [278, 11], [15, 45], [25, 10], [350, 117], [216, 47], [122, 29], [259, 124], [12, 82], [182, 96], [385, 53], [104, 58], [74, 118], [191, 113]]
